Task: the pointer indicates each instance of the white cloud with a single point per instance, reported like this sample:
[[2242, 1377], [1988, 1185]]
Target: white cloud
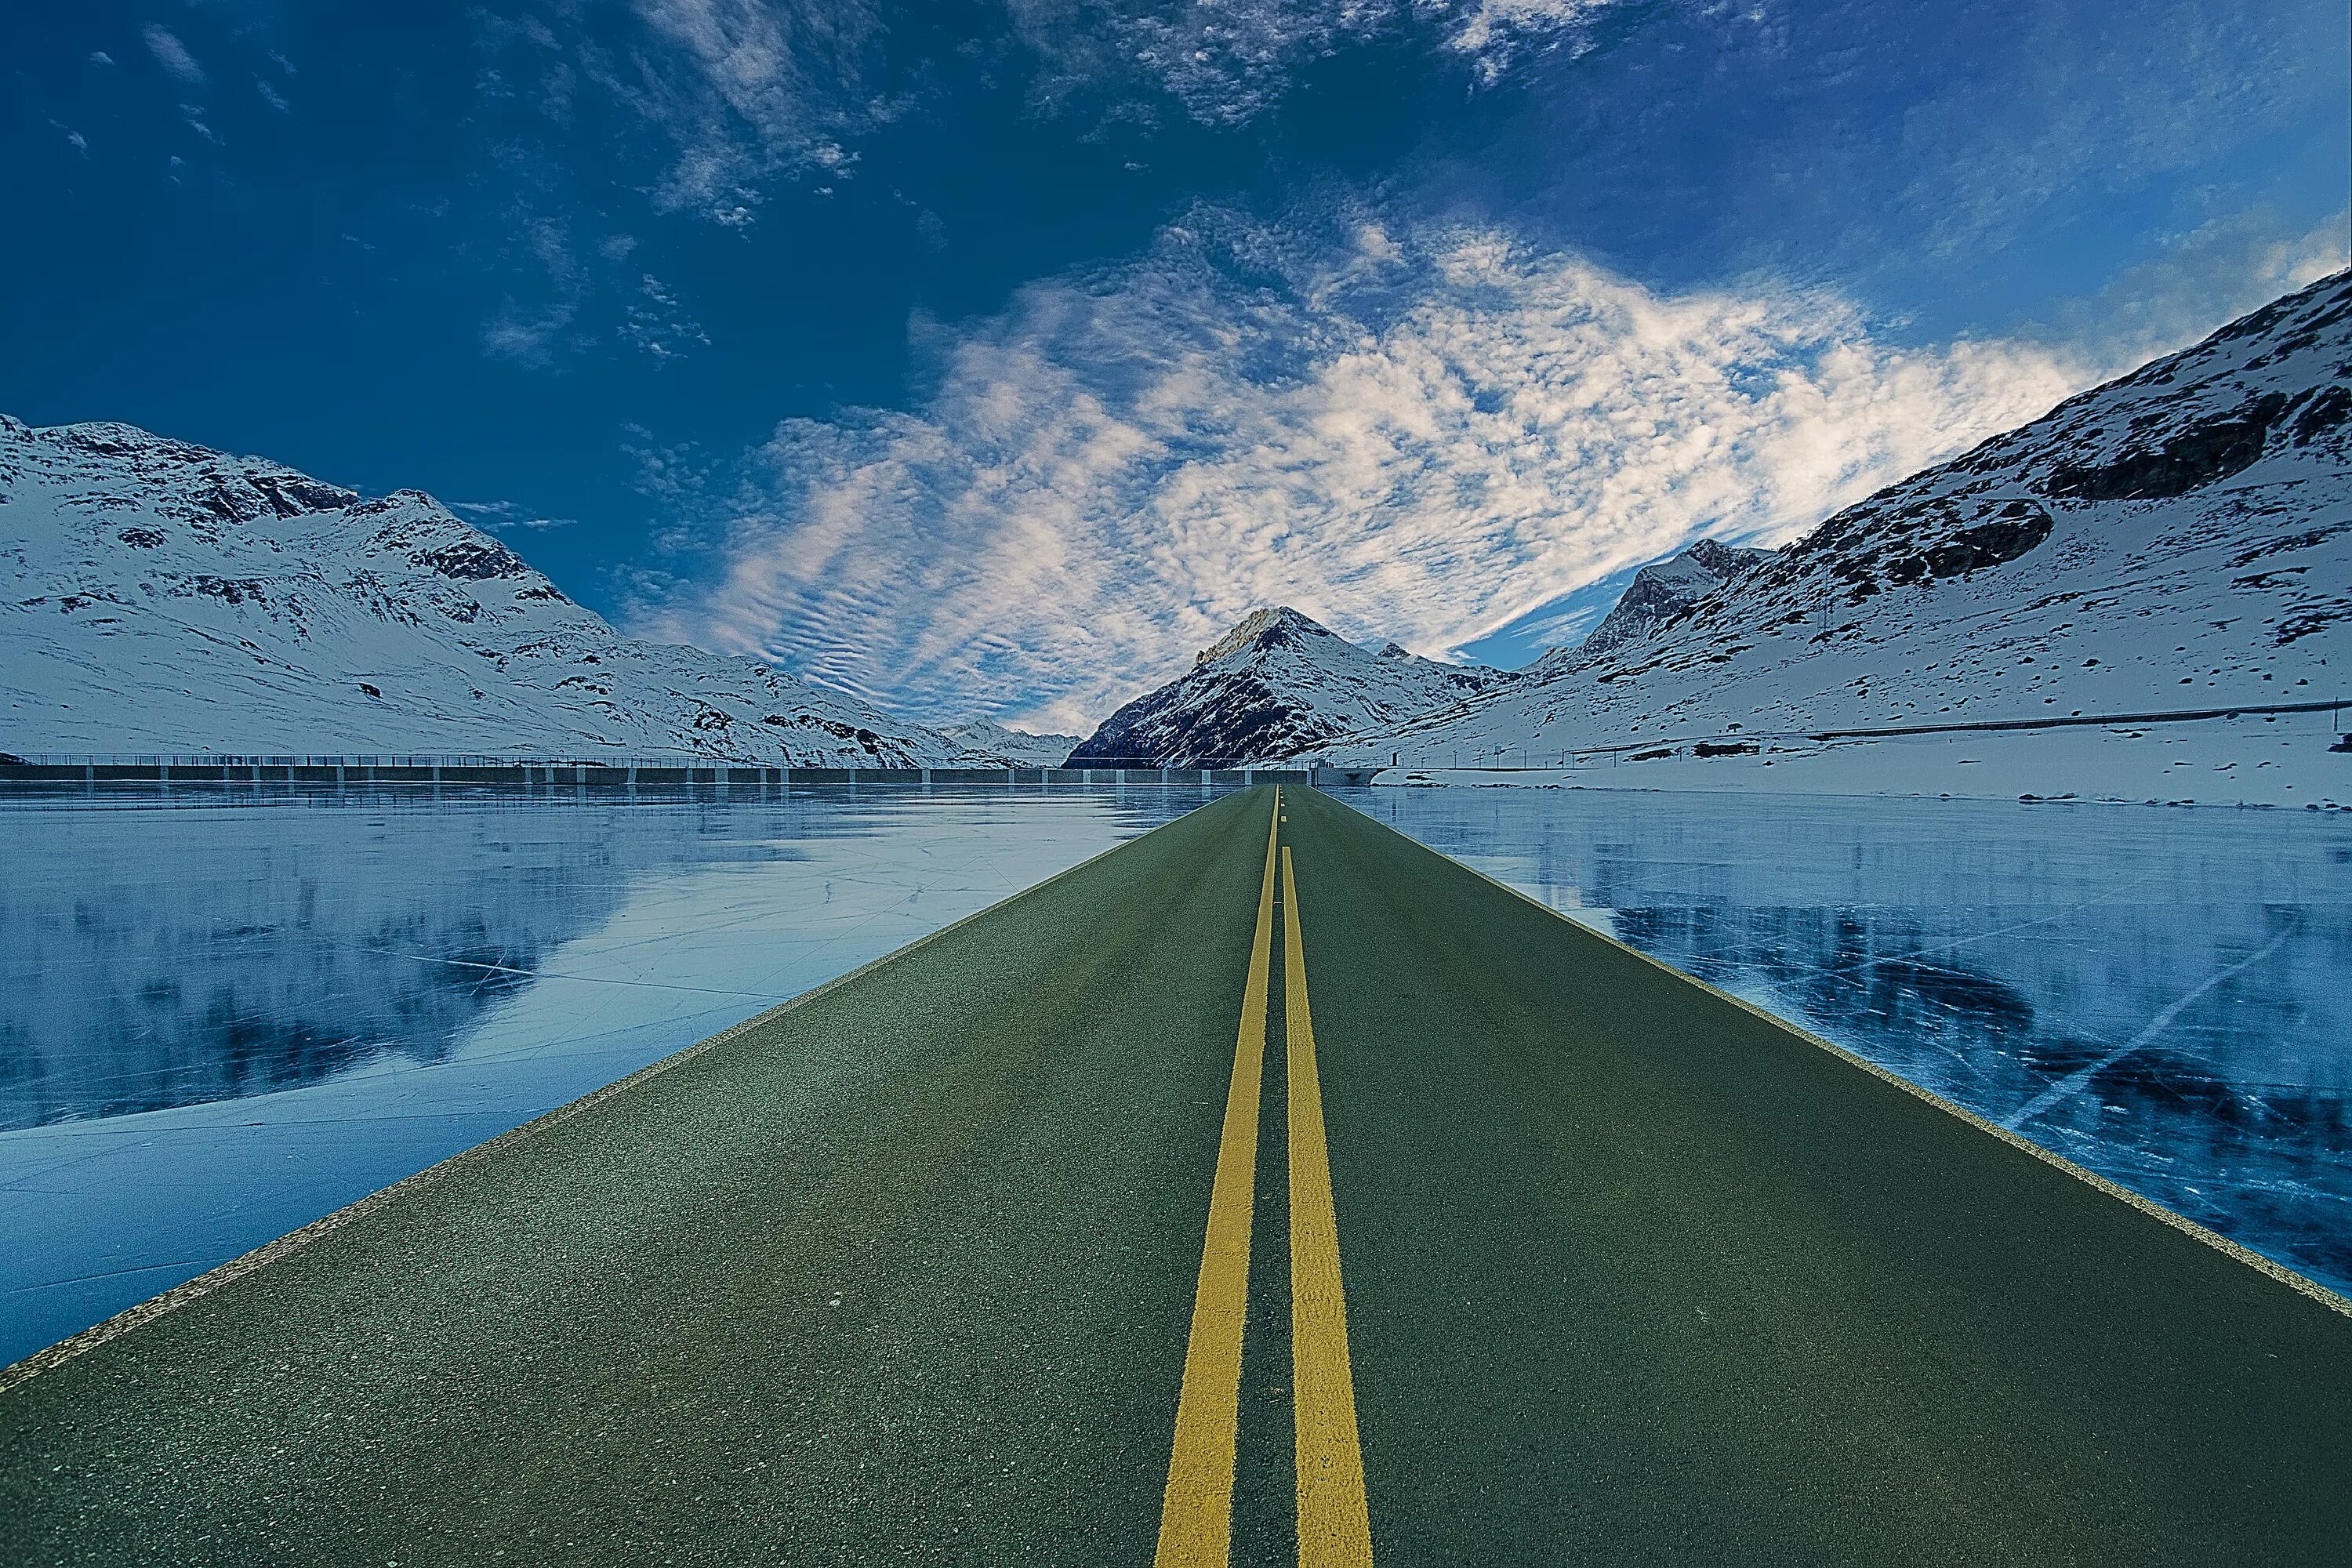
[[101, 57], [272, 97], [1421, 435], [74, 138], [172, 53]]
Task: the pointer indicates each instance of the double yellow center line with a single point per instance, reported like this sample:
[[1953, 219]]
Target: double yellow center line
[[1196, 1514]]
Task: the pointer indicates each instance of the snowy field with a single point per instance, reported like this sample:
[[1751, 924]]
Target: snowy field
[[2286, 760]]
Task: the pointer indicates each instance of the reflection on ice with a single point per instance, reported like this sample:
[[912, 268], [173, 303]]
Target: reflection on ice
[[2162, 996], [219, 1021]]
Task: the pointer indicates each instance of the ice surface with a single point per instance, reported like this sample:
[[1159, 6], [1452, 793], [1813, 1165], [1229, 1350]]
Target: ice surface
[[219, 1021], [2164, 997]]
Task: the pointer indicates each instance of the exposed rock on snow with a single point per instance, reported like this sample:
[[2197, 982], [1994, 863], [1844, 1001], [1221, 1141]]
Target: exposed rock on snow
[[2180, 538], [160, 597], [1278, 685]]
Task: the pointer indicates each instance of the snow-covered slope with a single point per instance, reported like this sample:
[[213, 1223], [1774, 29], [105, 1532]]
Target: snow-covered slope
[[2179, 539], [159, 597], [1278, 685], [986, 741]]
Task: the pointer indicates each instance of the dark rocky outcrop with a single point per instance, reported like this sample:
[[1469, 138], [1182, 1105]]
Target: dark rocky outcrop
[[2198, 454]]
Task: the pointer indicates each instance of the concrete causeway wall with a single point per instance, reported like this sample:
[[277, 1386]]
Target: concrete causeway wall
[[338, 772]]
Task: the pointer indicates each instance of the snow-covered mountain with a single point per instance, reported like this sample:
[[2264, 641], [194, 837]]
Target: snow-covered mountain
[[1660, 594], [160, 597], [985, 740], [1278, 685], [2178, 539]]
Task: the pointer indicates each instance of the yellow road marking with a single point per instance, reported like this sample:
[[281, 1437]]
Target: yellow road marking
[[1196, 1515], [1334, 1521]]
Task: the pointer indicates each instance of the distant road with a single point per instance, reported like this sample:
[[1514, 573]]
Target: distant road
[[1262, 1191]]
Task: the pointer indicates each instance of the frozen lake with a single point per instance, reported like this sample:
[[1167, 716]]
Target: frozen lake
[[221, 1018], [2163, 996]]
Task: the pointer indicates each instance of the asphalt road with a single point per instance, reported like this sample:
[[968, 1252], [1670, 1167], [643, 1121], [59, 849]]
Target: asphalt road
[[1518, 1248]]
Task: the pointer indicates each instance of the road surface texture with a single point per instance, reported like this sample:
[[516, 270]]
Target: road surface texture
[[1259, 1192]]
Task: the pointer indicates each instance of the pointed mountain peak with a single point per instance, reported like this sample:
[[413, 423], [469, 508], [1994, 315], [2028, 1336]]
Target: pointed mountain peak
[[1274, 627], [1662, 593]]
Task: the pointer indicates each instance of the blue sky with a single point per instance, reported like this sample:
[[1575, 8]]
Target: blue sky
[[992, 357]]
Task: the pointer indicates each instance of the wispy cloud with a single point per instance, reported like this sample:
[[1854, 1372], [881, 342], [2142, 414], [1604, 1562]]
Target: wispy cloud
[[1423, 435], [272, 97], [747, 92], [1224, 63], [172, 53], [530, 332], [500, 516], [1492, 32], [751, 94], [101, 57], [659, 324], [74, 138], [1227, 63], [2218, 269], [2090, 115]]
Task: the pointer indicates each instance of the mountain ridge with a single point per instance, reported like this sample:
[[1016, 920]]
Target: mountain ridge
[[166, 597]]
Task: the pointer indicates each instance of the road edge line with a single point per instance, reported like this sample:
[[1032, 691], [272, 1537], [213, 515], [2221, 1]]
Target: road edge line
[[163, 1303], [2302, 1284]]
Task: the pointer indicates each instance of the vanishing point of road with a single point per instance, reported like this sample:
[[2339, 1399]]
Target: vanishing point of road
[[1270, 1189]]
